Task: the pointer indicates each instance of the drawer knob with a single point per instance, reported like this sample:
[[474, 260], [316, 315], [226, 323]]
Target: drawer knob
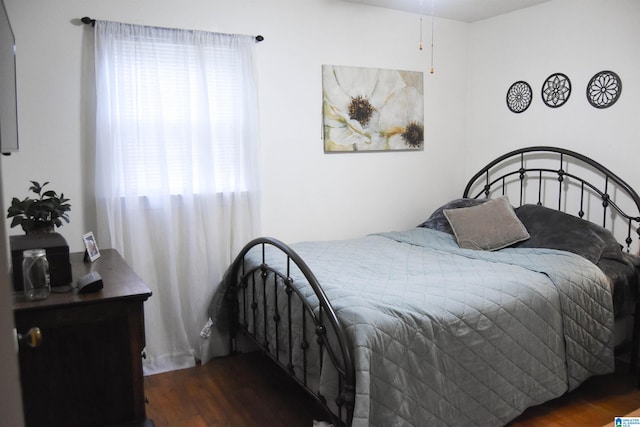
[[33, 338]]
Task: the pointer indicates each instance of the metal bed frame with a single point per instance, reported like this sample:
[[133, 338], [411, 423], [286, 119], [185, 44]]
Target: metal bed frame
[[261, 318], [330, 338], [610, 184]]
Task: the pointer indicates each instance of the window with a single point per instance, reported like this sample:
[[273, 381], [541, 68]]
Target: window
[[176, 114], [182, 104]]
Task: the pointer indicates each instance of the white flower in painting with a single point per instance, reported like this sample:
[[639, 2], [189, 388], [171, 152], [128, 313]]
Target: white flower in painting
[[372, 109], [353, 100], [401, 119]]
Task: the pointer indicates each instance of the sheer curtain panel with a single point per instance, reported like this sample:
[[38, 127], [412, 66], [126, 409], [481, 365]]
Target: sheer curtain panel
[[176, 170]]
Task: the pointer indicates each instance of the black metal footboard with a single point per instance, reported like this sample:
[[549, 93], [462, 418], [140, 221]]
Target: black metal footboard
[[298, 329]]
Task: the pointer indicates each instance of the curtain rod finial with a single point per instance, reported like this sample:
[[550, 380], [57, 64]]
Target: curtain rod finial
[[259, 38], [87, 20]]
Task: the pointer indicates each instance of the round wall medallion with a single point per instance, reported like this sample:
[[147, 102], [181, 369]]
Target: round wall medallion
[[556, 90], [604, 89], [519, 96]]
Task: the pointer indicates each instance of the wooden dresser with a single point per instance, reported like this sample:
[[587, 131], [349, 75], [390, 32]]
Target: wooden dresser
[[88, 369]]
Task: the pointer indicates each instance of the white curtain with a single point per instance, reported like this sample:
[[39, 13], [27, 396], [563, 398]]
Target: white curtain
[[176, 170]]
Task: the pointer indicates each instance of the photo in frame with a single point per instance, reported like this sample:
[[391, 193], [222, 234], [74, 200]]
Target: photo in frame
[[92, 252], [372, 109]]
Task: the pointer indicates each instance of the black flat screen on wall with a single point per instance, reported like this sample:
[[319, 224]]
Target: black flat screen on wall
[[8, 92]]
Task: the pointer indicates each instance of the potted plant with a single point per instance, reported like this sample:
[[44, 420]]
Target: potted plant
[[41, 214]]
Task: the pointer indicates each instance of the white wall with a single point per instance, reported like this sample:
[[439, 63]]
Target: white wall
[[311, 195], [306, 194], [578, 38]]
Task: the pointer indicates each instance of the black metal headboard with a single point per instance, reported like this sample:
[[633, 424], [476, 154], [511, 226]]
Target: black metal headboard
[[546, 175]]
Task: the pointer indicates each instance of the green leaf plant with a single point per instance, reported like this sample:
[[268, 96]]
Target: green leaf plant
[[40, 214]]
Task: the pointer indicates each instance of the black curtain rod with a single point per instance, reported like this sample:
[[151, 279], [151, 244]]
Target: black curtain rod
[[87, 20]]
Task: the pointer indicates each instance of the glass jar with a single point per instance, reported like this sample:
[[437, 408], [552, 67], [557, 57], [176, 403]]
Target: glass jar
[[35, 273]]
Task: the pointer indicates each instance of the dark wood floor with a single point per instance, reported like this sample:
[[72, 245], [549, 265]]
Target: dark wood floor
[[248, 391]]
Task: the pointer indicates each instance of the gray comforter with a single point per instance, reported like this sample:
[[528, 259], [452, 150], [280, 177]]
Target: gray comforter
[[447, 336]]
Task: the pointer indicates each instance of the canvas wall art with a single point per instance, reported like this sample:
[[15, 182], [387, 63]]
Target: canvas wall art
[[371, 109]]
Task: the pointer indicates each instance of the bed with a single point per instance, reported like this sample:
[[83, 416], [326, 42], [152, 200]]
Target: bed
[[503, 299]]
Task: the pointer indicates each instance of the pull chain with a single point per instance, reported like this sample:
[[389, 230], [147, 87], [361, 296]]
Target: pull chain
[[432, 69]]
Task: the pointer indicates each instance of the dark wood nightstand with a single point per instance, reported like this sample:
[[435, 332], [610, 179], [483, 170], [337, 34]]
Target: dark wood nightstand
[[88, 369]]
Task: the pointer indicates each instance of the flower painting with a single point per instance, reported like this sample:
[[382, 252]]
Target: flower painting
[[370, 109]]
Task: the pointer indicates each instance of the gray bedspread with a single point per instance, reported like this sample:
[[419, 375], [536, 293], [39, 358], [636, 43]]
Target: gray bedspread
[[447, 336]]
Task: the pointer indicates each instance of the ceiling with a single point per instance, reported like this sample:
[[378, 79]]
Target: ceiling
[[459, 10]]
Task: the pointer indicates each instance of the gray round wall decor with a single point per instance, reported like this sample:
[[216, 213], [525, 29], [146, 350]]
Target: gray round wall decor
[[604, 89], [519, 96], [556, 90]]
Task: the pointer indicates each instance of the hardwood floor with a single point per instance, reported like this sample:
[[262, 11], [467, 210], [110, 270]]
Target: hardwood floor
[[244, 390], [248, 391]]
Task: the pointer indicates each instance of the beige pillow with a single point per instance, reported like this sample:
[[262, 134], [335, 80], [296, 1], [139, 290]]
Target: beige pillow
[[490, 226]]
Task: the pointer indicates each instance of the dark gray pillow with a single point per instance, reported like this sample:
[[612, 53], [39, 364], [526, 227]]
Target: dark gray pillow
[[490, 226], [553, 229], [437, 220]]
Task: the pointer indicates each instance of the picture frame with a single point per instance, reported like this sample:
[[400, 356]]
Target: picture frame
[[372, 109], [92, 252]]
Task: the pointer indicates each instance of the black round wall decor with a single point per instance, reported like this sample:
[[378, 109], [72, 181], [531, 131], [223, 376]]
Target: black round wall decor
[[604, 89], [556, 90], [519, 96]]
